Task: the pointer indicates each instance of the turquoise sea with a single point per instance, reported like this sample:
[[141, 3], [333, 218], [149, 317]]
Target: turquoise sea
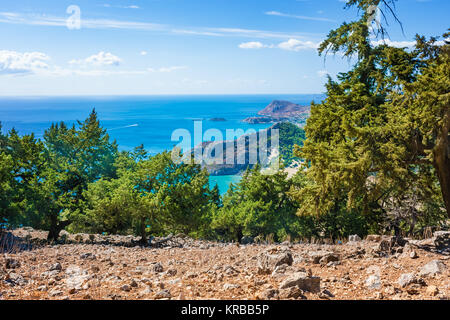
[[147, 120]]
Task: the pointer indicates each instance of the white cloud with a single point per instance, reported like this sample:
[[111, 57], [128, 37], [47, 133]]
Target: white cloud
[[297, 45], [64, 72], [107, 5], [287, 15], [397, 44], [290, 45], [322, 73], [100, 59], [12, 62], [167, 69], [144, 53], [252, 45], [52, 21]]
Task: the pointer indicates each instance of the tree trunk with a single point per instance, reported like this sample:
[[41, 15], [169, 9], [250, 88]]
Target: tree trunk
[[56, 227], [441, 161], [143, 233]]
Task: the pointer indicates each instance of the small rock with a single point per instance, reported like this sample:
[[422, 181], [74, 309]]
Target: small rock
[[55, 293], [12, 264], [42, 288], [432, 291], [373, 282], [385, 245], [190, 275], [329, 258], [379, 295], [279, 270], [88, 256], [230, 286], [441, 240], [325, 294], [354, 238], [55, 267], [72, 291], [409, 278], [373, 238], [269, 294], [291, 293], [158, 268], [125, 288], [76, 277], [303, 281], [95, 269], [163, 294], [413, 255], [133, 284], [268, 262], [247, 240], [171, 272], [432, 268]]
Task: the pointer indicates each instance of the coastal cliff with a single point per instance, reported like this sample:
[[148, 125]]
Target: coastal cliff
[[279, 110], [289, 135]]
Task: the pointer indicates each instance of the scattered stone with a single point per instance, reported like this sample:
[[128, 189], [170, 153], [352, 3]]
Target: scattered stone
[[441, 240], [413, 255], [316, 256], [163, 294], [373, 238], [432, 268], [269, 294], [12, 264], [158, 268], [432, 291], [95, 269], [379, 295], [230, 286], [410, 278], [279, 270], [190, 275], [354, 238], [125, 288], [133, 284], [373, 282], [55, 293], [15, 279], [303, 281], [75, 277], [384, 245], [268, 262], [247, 240], [291, 293], [230, 271], [88, 256], [329, 258], [171, 272], [325, 294], [72, 291], [55, 267]]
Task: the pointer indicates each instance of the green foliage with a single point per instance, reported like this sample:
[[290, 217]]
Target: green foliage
[[258, 205], [361, 145], [290, 135], [154, 195]]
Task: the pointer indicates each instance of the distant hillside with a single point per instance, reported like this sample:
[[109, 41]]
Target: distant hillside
[[279, 108], [278, 111], [289, 135]]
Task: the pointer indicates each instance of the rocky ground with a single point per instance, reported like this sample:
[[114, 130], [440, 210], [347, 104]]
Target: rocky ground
[[92, 267]]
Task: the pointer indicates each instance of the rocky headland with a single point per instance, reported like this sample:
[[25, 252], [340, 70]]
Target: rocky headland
[[279, 110]]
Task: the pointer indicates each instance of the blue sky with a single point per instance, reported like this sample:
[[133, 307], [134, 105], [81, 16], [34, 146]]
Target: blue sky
[[182, 46]]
